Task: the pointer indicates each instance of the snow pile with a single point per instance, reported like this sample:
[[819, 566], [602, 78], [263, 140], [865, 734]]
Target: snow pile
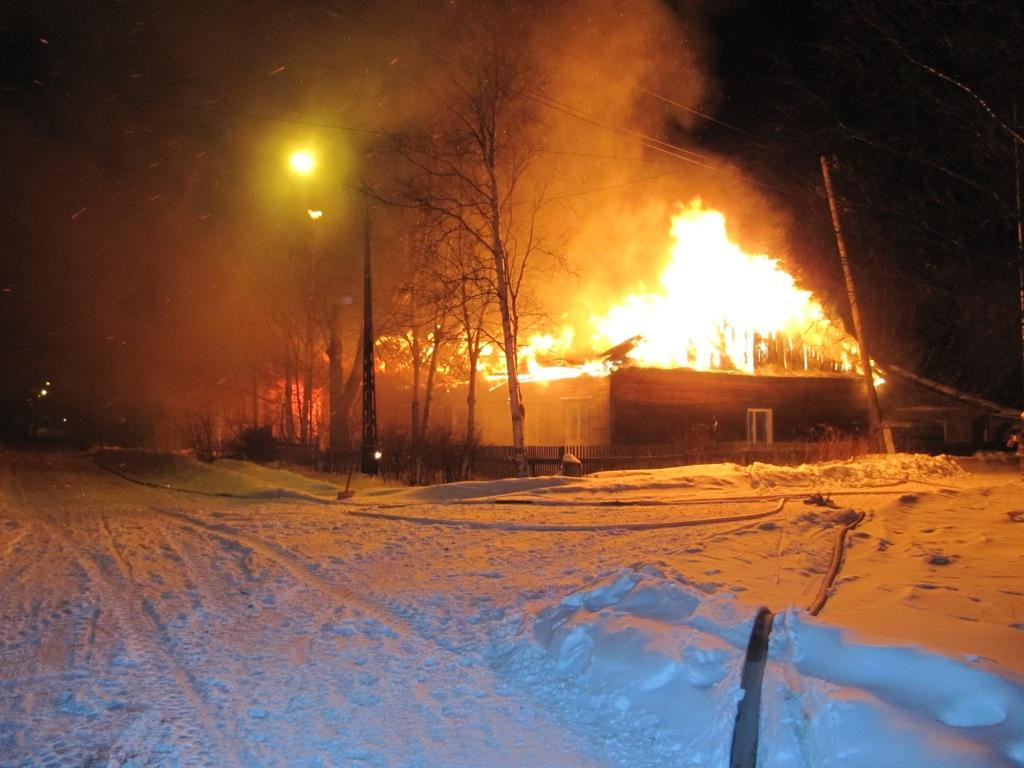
[[829, 701], [654, 665], [877, 469], [990, 462], [643, 664], [225, 477], [701, 476], [285, 482], [674, 484]]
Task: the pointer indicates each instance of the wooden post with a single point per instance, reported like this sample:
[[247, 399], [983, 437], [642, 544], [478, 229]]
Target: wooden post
[[1020, 236], [876, 425]]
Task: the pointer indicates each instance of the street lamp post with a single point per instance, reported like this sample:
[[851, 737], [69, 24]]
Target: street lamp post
[[303, 163]]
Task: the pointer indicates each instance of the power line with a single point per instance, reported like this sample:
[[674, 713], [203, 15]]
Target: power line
[[226, 112], [614, 186], [255, 115], [679, 153], [599, 156], [648, 92]]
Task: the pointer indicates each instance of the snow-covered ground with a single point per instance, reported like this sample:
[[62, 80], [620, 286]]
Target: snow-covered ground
[[546, 622]]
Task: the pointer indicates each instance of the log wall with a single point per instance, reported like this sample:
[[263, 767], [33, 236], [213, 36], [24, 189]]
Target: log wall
[[650, 405]]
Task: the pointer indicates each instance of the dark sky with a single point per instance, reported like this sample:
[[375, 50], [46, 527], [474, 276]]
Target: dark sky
[[141, 174]]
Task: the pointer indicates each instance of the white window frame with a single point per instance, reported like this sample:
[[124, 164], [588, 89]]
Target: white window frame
[[752, 436]]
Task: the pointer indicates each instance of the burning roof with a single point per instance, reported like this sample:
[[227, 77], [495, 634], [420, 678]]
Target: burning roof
[[715, 307]]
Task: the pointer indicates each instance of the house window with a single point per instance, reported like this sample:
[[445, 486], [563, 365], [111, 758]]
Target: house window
[[576, 420], [759, 426]]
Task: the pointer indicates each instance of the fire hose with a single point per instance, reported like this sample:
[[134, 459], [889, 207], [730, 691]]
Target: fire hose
[[743, 753]]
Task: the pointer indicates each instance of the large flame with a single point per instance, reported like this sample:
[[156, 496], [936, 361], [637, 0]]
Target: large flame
[[715, 308]]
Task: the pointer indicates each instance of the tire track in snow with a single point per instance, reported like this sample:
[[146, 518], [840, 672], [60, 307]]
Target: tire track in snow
[[172, 687], [185, 676], [145, 629], [431, 679], [298, 567]]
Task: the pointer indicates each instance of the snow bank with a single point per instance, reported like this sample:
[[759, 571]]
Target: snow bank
[[990, 462], [644, 663], [655, 662], [666, 486], [876, 469], [225, 477], [831, 701], [289, 483], [471, 489]]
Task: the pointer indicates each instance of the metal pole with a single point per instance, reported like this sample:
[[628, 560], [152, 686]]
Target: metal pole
[[874, 410], [370, 451]]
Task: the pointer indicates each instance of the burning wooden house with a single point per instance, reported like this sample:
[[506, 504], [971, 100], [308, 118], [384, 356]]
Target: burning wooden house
[[727, 348], [643, 406]]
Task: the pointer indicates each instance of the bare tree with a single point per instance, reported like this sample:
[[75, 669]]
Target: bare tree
[[916, 101], [424, 317], [291, 362], [472, 172]]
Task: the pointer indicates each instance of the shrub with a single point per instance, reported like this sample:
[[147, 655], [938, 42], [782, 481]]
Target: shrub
[[255, 443]]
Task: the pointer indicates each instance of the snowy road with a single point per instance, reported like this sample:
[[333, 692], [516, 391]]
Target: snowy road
[[142, 626], [140, 623]]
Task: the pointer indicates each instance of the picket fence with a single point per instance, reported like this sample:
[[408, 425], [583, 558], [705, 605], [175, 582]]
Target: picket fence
[[496, 461]]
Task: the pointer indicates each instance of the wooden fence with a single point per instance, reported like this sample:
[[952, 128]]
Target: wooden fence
[[495, 461]]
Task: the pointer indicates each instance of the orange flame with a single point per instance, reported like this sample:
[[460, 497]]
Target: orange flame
[[716, 308]]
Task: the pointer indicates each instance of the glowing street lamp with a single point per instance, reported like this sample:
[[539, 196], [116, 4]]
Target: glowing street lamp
[[302, 163]]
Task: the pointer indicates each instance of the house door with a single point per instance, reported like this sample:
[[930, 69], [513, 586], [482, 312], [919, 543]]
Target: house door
[[759, 426]]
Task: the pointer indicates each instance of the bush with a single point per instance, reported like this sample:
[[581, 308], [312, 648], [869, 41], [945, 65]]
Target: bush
[[199, 435], [255, 444], [437, 459]]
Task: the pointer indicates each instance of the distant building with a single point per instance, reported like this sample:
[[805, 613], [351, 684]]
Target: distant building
[[929, 417]]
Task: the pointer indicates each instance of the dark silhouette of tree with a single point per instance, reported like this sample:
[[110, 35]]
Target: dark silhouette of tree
[[916, 102]]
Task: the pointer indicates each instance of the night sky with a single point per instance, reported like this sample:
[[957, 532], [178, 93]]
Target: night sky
[[143, 187]]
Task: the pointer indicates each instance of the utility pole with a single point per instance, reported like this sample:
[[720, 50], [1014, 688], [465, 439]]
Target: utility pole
[[1020, 235], [875, 424], [370, 451]]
